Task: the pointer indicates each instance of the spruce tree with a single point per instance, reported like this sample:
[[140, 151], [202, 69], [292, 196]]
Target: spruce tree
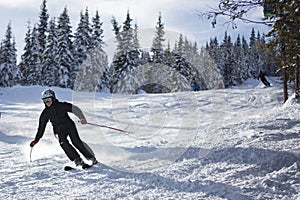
[[237, 57], [82, 42], [126, 57], [245, 62], [158, 41], [97, 32], [42, 28], [253, 55], [187, 49], [136, 42], [208, 70], [8, 65], [1, 52], [117, 31], [227, 61], [94, 66], [65, 58], [179, 49], [127, 35], [213, 50], [50, 65], [91, 71], [30, 64], [34, 67], [26, 56]]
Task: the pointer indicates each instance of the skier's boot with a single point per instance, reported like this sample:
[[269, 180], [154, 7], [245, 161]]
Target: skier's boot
[[78, 162], [94, 161]]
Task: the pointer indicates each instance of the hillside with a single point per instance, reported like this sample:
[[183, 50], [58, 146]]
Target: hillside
[[237, 143]]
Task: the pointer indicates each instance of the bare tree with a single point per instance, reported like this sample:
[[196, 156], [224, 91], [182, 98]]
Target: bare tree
[[238, 9]]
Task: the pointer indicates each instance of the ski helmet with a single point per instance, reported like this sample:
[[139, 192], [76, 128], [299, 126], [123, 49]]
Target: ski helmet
[[48, 94]]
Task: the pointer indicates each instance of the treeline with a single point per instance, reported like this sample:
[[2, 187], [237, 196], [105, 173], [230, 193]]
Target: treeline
[[54, 56], [240, 60]]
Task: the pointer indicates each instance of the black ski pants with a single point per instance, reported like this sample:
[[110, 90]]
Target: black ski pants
[[76, 142]]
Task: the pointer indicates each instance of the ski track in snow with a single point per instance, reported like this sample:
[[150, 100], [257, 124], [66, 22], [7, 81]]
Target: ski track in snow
[[239, 143]]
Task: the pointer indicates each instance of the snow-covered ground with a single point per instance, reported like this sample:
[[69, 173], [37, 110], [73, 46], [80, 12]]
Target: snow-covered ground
[[239, 143]]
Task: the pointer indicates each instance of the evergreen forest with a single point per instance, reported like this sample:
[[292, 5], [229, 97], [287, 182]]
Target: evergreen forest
[[54, 55]]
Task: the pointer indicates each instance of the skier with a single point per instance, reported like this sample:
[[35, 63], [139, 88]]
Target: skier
[[196, 86], [63, 126], [263, 79]]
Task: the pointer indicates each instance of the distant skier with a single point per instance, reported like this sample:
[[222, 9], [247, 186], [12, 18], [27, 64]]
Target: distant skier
[[263, 79], [63, 127], [196, 86]]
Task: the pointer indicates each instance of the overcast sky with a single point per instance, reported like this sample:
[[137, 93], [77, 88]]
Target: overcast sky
[[177, 15]]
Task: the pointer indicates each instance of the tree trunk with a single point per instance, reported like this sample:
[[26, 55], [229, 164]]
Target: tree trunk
[[297, 92], [285, 88]]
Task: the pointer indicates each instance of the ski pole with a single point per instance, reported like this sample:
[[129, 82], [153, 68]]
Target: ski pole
[[30, 154], [116, 129]]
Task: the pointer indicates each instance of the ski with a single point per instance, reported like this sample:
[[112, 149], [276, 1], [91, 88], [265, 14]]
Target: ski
[[84, 166], [69, 168]]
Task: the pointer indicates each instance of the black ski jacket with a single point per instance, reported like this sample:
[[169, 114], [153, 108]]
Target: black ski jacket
[[57, 113]]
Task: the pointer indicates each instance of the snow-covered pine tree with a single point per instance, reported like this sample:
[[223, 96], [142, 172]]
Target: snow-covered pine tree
[[18, 74], [209, 70], [65, 52], [237, 57], [227, 62], [126, 57], [124, 64], [157, 47], [26, 56], [213, 49], [10, 72], [167, 51], [253, 55], [194, 67], [104, 84], [82, 38], [183, 67], [245, 59], [91, 71], [1, 52], [117, 30], [182, 58], [179, 48], [127, 35], [193, 53], [34, 66], [42, 28], [187, 50], [50, 65], [136, 42], [97, 32]]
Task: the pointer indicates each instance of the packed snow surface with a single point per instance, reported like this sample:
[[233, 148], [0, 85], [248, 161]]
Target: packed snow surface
[[239, 143]]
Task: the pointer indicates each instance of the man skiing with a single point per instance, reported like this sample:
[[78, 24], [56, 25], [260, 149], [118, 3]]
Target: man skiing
[[263, 79], [64, 126]]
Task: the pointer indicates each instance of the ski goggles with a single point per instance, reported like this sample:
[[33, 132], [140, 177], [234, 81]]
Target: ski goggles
[[46, 100]]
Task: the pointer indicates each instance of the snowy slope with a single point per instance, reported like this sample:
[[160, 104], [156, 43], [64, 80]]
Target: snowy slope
[[238, 143]]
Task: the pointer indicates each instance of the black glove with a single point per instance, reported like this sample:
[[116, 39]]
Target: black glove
[[33, 143]]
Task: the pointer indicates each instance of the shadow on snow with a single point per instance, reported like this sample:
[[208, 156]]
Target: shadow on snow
[[12, 139]]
